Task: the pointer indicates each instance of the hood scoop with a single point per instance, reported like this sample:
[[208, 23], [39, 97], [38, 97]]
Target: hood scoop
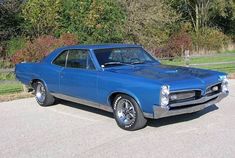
[[171, 71]]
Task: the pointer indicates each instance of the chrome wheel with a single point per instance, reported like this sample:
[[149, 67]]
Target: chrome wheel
[[40, 93], [126, 113]]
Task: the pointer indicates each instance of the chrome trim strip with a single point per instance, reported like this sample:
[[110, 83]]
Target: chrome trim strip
[[198, 101], [148, 115], [213, 84], [84, 102], [185, 90], [161, 112]]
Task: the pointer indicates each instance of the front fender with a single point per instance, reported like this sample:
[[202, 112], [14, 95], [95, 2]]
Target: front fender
[[145, 97]]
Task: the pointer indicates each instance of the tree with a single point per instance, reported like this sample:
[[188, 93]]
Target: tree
[[148, 22], [209, 19], [94, 21], [10, 21], [204, 13], [224, 17], [41, 16]]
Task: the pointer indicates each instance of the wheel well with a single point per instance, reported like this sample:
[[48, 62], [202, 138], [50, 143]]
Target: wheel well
[[113, 95], [33, 82]]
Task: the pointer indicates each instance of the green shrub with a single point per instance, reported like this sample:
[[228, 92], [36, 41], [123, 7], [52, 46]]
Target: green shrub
[[209, 39], [41, 17], [6, 63], [94, 21], [15, 44]]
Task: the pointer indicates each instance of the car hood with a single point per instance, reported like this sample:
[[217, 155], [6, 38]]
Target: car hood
[[177, 77]]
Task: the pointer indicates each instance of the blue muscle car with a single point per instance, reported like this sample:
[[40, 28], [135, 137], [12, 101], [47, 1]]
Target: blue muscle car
[[123, 79]]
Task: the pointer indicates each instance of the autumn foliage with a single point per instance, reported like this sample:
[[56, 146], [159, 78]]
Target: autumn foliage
[[42, 46], [176, 45]]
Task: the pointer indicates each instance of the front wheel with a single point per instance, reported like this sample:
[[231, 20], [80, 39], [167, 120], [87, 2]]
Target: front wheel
[[127, 113], [43, 97]]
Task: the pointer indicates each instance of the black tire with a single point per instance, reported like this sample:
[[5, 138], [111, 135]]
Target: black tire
[[43, 97], [127, 113]]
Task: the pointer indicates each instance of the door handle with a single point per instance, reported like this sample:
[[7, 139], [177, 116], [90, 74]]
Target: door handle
[[61, 75]]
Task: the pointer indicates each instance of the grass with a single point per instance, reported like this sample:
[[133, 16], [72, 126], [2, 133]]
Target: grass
[[8, 84], [7, 76], [229, 51], [10, 87], [200, 60], [228, 68]]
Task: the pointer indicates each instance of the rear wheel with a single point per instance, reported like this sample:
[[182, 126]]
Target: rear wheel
[[127, 113], [43, 97]]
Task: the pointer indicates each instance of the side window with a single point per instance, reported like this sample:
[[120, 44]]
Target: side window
[[61, 59], [79, 59], [90, 64]]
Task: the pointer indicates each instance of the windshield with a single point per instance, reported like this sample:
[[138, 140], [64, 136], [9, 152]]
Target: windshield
[[122, 56]]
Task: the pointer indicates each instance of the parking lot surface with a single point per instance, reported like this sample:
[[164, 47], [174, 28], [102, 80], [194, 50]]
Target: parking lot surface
[[72, 130]]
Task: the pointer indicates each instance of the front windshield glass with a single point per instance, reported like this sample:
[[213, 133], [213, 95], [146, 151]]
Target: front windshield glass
[[122, 56]]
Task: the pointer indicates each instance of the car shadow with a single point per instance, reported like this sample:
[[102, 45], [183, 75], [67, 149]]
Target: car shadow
[[151, 122], [180, 118], [85, 108]]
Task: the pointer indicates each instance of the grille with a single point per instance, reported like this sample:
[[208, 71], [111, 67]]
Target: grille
[[185, 96]]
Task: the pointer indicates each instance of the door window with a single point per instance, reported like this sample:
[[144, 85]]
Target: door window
[[61, 59], [79, 59]]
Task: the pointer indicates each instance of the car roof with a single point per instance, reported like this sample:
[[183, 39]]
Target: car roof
[[100, 46], [57, 51]]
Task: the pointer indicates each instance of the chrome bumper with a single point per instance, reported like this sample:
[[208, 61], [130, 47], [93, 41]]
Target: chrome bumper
[[194, 106]]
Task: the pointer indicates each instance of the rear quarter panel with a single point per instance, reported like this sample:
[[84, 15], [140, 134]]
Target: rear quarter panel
[[25, 72], [46, 72]]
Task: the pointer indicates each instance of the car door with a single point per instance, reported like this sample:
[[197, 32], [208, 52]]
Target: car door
[[79, 77], [52, 73]]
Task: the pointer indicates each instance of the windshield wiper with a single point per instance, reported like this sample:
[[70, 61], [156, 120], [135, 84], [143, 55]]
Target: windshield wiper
[[138, 62], [120, 63], [113, 63]]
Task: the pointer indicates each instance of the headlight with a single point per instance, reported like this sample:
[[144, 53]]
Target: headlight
[[165, 91], [224, 85]]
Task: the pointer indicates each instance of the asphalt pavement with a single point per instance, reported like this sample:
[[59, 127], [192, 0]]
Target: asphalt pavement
[[71, 130]]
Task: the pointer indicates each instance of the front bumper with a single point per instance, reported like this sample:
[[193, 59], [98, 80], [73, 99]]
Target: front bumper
[[193, 106]]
